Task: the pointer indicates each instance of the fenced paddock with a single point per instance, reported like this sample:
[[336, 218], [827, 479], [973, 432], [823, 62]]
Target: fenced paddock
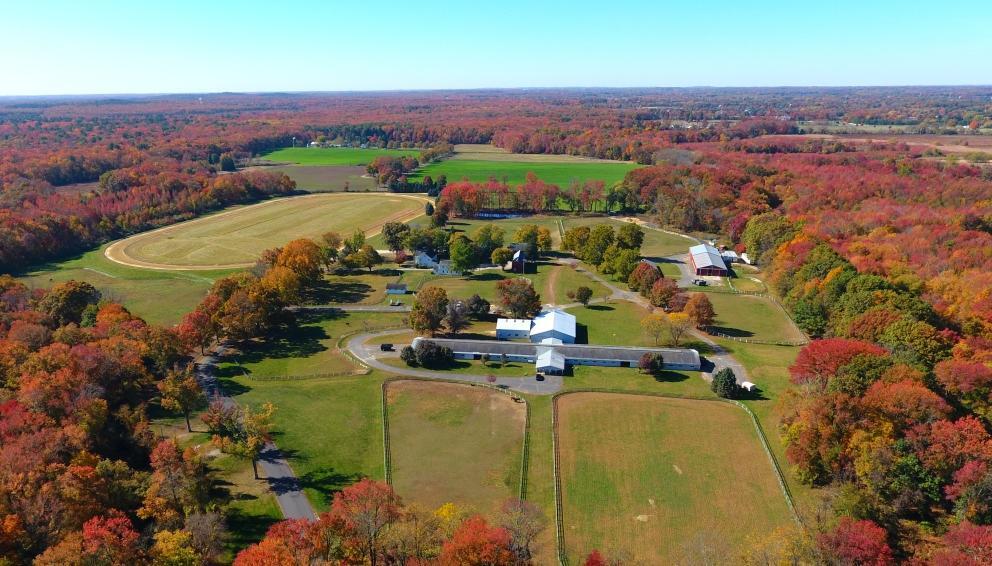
[[649, 477]]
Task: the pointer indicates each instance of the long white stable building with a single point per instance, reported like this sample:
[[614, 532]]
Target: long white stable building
[[555, 358]]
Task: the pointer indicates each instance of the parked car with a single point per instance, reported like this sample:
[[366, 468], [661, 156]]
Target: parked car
[[699, 282], [539, 377], [386, 347]]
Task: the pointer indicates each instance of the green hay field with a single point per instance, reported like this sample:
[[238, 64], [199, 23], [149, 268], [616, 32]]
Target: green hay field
[[340, 156], [454, 443], [752, 317], [327, 178], [235, 238], [654, 478], [515, 172]]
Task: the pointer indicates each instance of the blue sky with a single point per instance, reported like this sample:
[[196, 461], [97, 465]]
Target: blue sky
[[93, 46]]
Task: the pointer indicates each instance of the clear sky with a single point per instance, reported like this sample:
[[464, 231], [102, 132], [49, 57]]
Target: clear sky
[[145, 46]]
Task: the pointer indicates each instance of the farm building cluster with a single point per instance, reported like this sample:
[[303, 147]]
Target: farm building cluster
[[706, 260], [551, 346]]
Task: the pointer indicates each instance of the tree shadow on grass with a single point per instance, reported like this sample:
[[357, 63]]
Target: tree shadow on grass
[[732, 332], [300, 341], [601, 307], [668, 376], [753, 395], [327, 481], [326, 292], [232, 388], [486, 276], [246, 528]]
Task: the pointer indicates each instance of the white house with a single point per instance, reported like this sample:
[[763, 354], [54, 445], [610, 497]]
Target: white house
[[554, 324], [510, 328], [424, 259], [443, 267]]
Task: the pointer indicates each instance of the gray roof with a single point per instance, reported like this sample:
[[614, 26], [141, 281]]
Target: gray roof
[[705, 255], [550, 359], [679, 356]]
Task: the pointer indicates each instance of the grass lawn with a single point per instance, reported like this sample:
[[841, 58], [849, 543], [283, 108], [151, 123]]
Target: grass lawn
[[235, 238], [612, 322], [644, 476], [745, 316], [475, 367], [159, 297], [749, 283], [327, 178], [350, 156], [454, 443], [358, 287], [308, 348], [515, 172]]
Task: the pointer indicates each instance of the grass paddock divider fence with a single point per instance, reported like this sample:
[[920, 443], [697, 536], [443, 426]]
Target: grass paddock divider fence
[[525, 447], [559, 522]]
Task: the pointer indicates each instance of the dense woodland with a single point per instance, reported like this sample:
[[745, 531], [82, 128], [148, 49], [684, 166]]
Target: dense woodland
[[881, 251]]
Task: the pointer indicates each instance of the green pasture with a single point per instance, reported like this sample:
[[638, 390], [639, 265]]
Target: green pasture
[[515, 172], [339, 156]]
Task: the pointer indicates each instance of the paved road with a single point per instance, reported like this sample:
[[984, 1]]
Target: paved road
[[369, 355], [278, 474]]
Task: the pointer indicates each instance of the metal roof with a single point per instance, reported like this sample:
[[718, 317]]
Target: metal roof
[[554, 320], [705, 255], [679, 356], [513, 324], [550, 359]]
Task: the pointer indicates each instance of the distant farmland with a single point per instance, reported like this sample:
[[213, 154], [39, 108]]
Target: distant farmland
[[340, 156], [515, 172]]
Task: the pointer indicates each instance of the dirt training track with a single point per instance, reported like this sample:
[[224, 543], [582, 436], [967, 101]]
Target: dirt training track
[[238, 235]]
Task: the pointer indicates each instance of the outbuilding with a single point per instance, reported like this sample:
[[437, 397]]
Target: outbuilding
[[704, 259], [551, 362], [512, 328], [396, 288]]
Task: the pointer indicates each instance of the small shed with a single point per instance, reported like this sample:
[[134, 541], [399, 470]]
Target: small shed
[[748, 386], [396, 289]]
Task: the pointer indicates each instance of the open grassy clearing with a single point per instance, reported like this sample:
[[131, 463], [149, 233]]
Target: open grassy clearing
[[515, 172], [308, 348], [159, 297], [235, 238], [473, 152], [745, 316], [358, 287], [340, 156], [327, 178], [454, 443], [644, 476]]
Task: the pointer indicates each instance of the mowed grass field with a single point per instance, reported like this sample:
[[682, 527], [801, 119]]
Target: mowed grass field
[[657, 244], [643, 476], [236, 237], [454, 443], [748, 316], [339, 156], [515, 172], [327, 178], [159, 297]]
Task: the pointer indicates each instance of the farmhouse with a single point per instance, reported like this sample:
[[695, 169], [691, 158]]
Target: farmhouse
[[704, 259], [553, 326], [424, 259], [443, 267], [563, 355]]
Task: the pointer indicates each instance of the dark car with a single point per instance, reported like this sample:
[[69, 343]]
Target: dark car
[[386, 347], [539, 377], [699, 282]]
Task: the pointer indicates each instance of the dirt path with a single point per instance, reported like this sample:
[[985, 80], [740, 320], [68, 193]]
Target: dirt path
[[552, 283], [117, 252]]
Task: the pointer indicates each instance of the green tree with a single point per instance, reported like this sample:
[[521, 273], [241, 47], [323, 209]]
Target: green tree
[[583, 294], [528, 235], [630, 236], [394, 233], [575, 239], [488, 238], [464, 255], [600, 239], [227, 162], [456, 317], [501, 255], [366, 257], [65, 302], [765, 232], [724, 384]]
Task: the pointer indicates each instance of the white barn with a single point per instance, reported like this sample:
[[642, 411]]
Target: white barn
[[553, 324]]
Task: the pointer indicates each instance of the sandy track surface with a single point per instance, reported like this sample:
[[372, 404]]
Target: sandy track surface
[[118, 251]]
